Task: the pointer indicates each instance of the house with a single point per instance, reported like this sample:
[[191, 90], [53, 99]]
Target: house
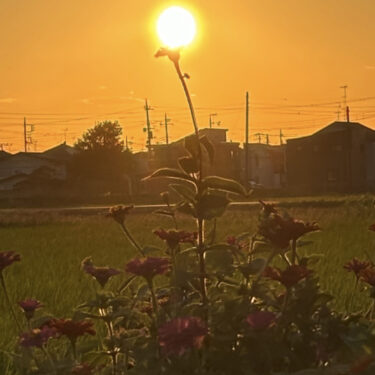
[[339, 157], [227, 159], [24, 166], [266, 165]]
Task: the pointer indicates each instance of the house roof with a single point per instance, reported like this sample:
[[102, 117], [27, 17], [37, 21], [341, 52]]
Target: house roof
[[62, 152], [335, 127], [4, 155], [35, 155]]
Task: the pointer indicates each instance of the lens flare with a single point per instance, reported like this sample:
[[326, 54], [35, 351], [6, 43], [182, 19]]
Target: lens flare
[[176, 27]]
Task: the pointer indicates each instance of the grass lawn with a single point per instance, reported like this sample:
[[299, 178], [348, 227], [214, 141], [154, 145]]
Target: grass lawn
[[52, 248]]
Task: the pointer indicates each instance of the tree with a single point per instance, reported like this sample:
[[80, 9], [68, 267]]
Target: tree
[[102, 163], [105, 135]]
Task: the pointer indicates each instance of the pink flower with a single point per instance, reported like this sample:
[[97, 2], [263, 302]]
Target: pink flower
[[148, 267], [7, 258], [119, 213], [357, 266], [29, 306], [181, 334], [288, 277], [368, 276], [261, 320], [231, 240], [173, 237], [37, 337], [73, 329], [101, 274]]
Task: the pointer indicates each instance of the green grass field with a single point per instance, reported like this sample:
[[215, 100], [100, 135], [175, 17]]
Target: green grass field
[[52, 248]]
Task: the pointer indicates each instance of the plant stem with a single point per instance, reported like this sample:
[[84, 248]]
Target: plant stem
[[9, 302], [202, 266], [192, 112], [153, 297], [294, 251], [131, 239]]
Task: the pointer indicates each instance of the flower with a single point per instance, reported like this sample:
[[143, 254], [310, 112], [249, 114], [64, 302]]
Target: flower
[[362, 364], [261, 320], [356, 266], [101, 274], [173, 237], [148, 267], [289, 277], [29, 306], [231, 240], [172, 53], [37, 337], [372, 227], [73, 329], [368, 276], [280, 230], [119, 213], [181, 334], [7, 258], [82, 369]]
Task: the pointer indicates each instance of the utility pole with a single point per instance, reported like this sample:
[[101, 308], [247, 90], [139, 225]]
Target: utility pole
[[24, 133], [148, 124], [126, 143], [166, 121], [338, 113], [267, 139], [212, 115], [27, 134], [347, 114], [345, 97], [281, 137], [247, 140]]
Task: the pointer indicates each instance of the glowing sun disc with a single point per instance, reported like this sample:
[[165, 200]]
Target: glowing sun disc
[[176, 27]]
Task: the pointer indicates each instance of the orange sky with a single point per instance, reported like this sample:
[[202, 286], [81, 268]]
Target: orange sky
[[66, 64]]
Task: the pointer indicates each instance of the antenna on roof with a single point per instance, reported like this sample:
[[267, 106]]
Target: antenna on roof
[[347, 114]]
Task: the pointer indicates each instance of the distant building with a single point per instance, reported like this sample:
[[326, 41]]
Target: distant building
[[266, 166], [26, 167], [227, 161], [339, 157]]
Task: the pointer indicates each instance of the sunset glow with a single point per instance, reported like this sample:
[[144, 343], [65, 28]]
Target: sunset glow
[[176, 27]]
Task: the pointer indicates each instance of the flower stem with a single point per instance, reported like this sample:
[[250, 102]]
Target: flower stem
[[9, 302], [294, 251], [192, 112], [131, 239], [202, 266]]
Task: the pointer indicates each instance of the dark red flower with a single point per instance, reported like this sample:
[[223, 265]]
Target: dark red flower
[[29, 306], [119, 213], [173, 237], [372, 227], [288, 277], [73, 329], [148, 267], [83, 369], [261, 320], [280, 230], [356, 266], [232, 240], [7, 258], [37, 337], [181, 334], [362, 364], [101, 274], [368, 276]]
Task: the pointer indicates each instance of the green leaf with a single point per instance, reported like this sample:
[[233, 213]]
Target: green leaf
[[224, 184], [189, 164], [211, 205], [164, 212], [170, 173], [186, 208], [209, 148], [253, 268], [220, 261], [192, 145], [185, 192]]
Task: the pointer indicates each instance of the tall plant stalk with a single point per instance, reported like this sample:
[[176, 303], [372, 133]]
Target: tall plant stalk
[[2, 281]]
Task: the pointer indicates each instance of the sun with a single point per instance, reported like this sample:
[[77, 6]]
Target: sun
[[176, 27]]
